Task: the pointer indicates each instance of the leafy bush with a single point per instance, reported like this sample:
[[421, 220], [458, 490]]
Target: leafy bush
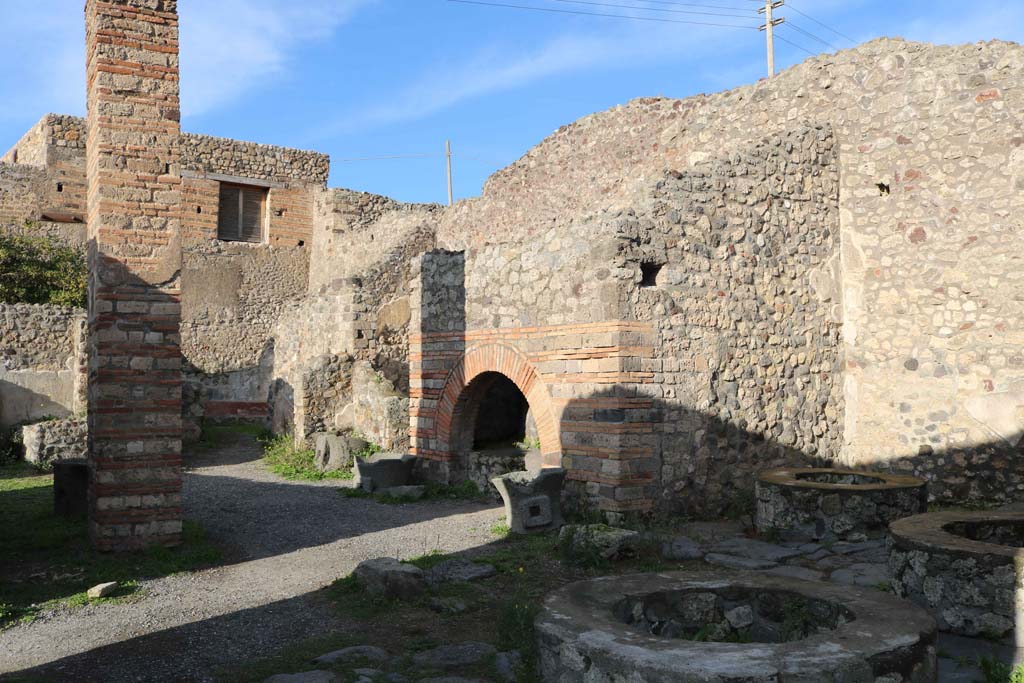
[[41, 270]]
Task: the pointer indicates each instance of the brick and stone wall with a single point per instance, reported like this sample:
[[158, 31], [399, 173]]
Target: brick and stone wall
[[42, 362], [928, 155], [232, 296], [52, 440], [134, 218]]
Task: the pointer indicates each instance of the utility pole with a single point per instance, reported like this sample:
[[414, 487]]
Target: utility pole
[[768, 27], [448, 155]]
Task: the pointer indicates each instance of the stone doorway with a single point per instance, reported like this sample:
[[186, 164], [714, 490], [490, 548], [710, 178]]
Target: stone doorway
[[495, 432]]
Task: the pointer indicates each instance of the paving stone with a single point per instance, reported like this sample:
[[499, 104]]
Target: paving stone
[[681, 548], [819, 555], [458, 570], [356, 653], [447, 605], [370, 673], [846, 548], [450, 679], [305, 677], [611, 542], [796, 572], [755, 550], [735, 562], [507, 664], [875, 555], [447, 656], [861, 574]]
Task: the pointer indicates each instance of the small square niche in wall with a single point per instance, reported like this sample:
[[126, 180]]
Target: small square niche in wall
[[649, 274]]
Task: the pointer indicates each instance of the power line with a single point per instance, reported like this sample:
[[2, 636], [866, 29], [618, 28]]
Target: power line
[[799, 47], [795, 27], [823, 25], [652, 9], [690, 4], [598, 14], [389, 156]]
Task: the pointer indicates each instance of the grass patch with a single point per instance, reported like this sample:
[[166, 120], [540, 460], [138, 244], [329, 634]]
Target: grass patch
[[284, 458], [49, 563]]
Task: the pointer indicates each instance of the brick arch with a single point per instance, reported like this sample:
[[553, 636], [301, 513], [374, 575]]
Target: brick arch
[[510, 362]]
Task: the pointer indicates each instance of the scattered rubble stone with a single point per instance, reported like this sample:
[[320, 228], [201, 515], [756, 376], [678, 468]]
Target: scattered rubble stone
[[355, 653], [448, 656], [383, 471], [390, 578], [305, 677], [507, 664], [681, 549], [335, 452], [609, 542], [737, 562], [458, 569], [755, 550]]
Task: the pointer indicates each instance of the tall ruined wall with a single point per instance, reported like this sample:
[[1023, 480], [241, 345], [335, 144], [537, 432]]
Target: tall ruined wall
[[930, 165], [44, 140], [232, 296], [42, 362], [748, 370]]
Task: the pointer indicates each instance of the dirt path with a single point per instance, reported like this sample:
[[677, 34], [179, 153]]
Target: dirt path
[[287, 539]]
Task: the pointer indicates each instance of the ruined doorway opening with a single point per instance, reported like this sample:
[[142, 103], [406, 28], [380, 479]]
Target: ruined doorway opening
[[495, 432]]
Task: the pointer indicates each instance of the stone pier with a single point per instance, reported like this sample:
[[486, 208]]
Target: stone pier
[[134, 181]]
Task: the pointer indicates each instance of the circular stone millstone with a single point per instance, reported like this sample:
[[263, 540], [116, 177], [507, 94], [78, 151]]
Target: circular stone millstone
[[581, 638], [831, 504], [960, 565]]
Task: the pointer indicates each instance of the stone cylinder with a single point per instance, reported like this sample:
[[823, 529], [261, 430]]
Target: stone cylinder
[[835, 504]]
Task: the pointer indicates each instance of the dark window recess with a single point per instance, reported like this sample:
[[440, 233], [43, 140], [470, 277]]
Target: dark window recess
[[240, 213], [60, 187], [199, 209], [649, 274]]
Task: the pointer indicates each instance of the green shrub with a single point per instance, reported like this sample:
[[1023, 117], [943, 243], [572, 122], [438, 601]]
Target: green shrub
[[41, 270]]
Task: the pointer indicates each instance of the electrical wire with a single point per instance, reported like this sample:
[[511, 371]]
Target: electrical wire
[[823, 25], [652, 9], [799, 47], [599, 14], [791, 24], [389, 156], [690, 4]]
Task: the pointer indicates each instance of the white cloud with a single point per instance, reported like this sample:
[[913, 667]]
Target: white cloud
[[229, 47], [442, 86]]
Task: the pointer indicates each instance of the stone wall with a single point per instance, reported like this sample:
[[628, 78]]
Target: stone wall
[[746, 301], [928, 150], [223, 156], [232, 295], [42, 362]]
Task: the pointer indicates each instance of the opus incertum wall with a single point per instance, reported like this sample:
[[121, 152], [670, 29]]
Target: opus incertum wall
[[134, 184]]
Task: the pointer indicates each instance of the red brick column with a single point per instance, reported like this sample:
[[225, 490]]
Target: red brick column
[[134, 188]]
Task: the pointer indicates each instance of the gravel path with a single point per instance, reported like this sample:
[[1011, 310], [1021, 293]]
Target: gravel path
[[286, 540]]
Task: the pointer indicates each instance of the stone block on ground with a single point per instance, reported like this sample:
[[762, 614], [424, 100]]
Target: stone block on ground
[[390, 578], [383, 471], [458, 570], [795, 572], [355, 653], [305, 677], [449, 656], [609, 542], [681, 548], [533, 499], [101, 590], [335, 452]]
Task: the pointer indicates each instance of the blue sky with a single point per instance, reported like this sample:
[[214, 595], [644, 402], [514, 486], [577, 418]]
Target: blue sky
[[368, 78]]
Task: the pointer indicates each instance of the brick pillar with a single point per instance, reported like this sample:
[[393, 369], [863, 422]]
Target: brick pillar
[[134, 273]]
